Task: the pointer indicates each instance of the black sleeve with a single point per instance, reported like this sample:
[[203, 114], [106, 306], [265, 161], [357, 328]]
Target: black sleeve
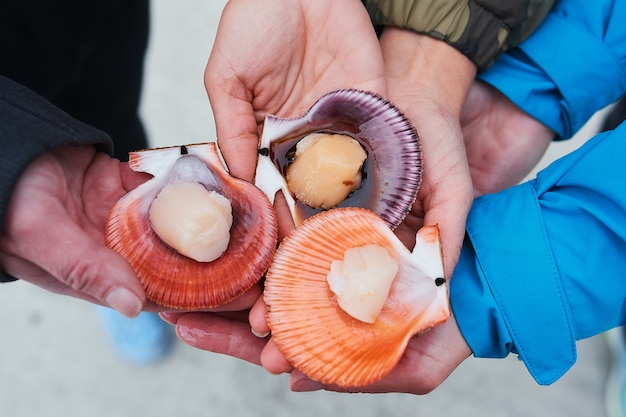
[[29, 127]]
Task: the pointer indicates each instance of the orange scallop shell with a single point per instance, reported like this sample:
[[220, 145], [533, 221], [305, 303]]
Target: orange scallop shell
[[315, 334], [171, 279]]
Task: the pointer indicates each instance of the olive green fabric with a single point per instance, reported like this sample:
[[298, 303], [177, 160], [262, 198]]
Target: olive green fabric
[[481, 30]]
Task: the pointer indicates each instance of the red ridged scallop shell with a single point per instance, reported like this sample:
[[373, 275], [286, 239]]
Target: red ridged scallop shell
[[169, 278], [315, 334]]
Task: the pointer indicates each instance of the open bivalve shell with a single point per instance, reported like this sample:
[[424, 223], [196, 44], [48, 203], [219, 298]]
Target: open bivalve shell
[[311, 328], [180, 281], [389, 178]]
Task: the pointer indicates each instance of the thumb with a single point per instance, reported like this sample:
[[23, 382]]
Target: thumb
[[94, 269], [235, 121], [84, 267]]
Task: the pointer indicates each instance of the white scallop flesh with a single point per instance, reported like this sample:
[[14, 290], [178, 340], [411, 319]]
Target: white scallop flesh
[[192, 220], [362, 281]]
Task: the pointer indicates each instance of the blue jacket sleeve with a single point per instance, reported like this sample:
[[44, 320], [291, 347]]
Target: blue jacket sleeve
[[543, 263], [573, 65]]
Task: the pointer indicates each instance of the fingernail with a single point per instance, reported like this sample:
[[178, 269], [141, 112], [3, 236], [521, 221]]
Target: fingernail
[[259, 334], [304, 384], [168, 317], [124, 301]]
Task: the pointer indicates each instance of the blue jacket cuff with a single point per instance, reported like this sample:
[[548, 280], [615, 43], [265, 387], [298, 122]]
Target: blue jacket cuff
[[502, 302], [551, 84]]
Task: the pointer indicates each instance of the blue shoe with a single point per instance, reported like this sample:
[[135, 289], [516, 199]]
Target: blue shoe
[[144, 340], [616, 383]]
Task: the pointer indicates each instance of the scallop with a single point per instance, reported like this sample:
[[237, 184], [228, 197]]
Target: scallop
[[196, 237], [381, 173], [344, 296]]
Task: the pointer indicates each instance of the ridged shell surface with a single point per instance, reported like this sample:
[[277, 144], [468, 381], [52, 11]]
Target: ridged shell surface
[[310, 328], [392, 172], [169, 278]]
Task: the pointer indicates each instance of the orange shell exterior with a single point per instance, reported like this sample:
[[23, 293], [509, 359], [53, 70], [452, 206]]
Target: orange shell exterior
[[308, 326], [173, 280]]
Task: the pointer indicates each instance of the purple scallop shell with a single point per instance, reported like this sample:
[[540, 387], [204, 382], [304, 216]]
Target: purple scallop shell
[[393, 170]]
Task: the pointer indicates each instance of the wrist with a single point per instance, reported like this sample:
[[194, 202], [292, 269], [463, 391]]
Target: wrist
[[429, 66]]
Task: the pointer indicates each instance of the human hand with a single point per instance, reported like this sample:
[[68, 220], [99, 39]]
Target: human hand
[[278, 58], [53, 233], [259, 67], [503, 143], [233, 337], [428, 360], [429, 80]]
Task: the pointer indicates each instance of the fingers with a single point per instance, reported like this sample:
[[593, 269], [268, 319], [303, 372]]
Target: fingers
[[225, 330], [446, 192], [257, 319], [449, 210], [211, 332], [242, 303], [285, 221], [230, 333], [44, 244], [413, 384], [428, 361], [93, 269], [238, 308], [219, 334], [235, 120], [87, 279], [53, 230], [299, 382], [503, 142], [274, 361], [237, 138], [25, 270], [76, 261], [171, 317]]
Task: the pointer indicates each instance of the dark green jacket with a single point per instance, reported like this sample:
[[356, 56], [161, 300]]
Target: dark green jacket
[[481, 30]]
